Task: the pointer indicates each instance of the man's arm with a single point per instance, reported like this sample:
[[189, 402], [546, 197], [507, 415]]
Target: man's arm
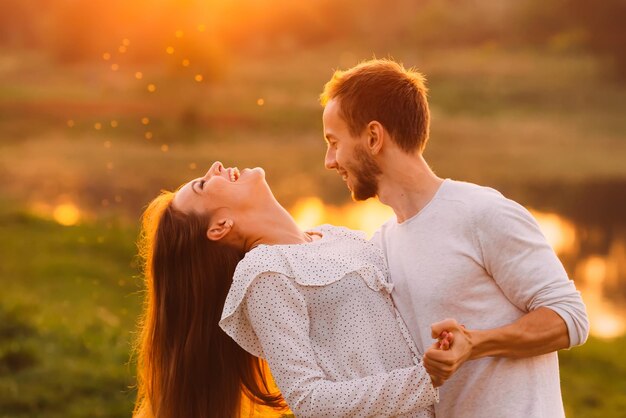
[[523, 265], [538, 332]]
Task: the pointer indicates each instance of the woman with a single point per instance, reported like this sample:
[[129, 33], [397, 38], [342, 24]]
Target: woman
[[315, 305]]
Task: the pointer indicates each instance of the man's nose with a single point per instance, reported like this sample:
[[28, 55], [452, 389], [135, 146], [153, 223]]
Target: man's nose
[[330, 162]]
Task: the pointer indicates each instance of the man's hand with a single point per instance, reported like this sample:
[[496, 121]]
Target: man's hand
[[440, 363]]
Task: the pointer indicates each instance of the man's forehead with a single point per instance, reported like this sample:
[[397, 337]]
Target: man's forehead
[[331, 108], [332, 118]]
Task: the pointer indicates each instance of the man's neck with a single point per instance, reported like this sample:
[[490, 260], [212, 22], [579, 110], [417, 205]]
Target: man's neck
[[407, 185]]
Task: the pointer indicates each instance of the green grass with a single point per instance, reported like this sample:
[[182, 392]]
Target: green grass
[[593, 379], [68, 307]]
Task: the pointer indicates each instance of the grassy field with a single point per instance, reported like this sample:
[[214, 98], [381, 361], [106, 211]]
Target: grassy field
[[499, 118], [68, 307], [71, 295]]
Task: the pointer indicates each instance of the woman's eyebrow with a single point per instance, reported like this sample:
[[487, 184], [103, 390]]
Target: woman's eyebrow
[[193, 184]]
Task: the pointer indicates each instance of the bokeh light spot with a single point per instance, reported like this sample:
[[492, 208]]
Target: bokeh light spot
[[201, 28], [260, 102], [70, 123], [198, 77], [125, 42], [138, 75], [122, 49], [179, 34], [148, 135], [560, 233], [151, 88], [169, 50], [66, 214], [145, 120], [110, 166], [114, 123], [165, 148], [107, 144], [185, 62], [106, 56], [193, 166], [115, 67], [97, 126]]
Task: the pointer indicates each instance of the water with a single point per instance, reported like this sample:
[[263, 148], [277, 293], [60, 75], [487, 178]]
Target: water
[[585, 224]]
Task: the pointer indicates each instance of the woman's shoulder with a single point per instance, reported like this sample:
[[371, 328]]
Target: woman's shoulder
[[337, 253], [264, 258]]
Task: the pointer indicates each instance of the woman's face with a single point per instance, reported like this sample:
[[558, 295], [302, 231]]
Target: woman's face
[[221, 187]]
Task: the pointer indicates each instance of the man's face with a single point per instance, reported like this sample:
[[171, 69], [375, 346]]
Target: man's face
[[347, 154]]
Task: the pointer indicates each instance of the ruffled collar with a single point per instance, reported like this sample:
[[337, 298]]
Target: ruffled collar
[[319, 263]]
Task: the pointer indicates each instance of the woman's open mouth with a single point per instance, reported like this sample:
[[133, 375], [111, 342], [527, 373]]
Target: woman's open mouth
[[233, 174]]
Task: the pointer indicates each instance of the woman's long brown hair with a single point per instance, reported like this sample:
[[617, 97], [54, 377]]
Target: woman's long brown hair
[[187, 366]]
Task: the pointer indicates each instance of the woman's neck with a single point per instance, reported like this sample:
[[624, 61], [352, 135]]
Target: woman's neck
[[272, 225]]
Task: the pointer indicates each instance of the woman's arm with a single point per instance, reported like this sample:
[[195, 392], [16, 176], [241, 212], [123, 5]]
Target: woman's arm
[[278, 314]]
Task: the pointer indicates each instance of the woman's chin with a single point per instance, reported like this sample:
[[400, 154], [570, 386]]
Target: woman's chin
[[256, 172], [259, 171]]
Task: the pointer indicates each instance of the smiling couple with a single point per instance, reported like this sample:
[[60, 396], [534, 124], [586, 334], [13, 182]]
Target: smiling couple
[[351, 327]]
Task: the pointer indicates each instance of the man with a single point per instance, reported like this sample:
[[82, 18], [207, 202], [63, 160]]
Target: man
[[455, 250]]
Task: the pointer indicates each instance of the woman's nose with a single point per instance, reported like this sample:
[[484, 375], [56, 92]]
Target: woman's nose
[[215, 169]]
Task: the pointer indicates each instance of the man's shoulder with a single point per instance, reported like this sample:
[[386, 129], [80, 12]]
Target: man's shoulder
[[383, 229], [455, 198], [468, 193], [479, 201], [489, 209]]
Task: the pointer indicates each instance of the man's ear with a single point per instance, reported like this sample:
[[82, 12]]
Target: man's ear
[[219, 229], [375, 135]]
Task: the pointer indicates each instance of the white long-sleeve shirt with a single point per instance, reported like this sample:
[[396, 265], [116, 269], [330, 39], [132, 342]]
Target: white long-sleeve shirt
[[321, 315], [480, 258]]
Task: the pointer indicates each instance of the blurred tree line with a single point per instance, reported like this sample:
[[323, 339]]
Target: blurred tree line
[[76, 30]]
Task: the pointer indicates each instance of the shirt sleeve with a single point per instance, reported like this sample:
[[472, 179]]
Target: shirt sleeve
[[377, 238], [525, 267], [277, 313]]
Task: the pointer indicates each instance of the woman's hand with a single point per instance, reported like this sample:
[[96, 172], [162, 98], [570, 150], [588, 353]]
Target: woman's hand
[[440, 363], [444, 342]]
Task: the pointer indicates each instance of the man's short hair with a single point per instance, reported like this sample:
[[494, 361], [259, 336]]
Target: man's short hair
[[383, 90]]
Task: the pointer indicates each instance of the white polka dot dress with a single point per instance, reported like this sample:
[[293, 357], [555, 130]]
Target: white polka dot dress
[[321, 314]]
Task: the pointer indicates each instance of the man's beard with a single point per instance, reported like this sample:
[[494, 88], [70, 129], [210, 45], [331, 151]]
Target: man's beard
[[365, 174]]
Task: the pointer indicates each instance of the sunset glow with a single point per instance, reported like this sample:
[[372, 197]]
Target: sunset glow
[[366, 216], [560, 233], [107, 103], [66, 214], [607, 319]]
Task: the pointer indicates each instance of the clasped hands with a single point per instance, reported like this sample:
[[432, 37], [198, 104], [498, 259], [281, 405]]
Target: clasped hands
[[452, 348]]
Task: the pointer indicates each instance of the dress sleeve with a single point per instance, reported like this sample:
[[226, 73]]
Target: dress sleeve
[[525, 267], [277, 312]]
